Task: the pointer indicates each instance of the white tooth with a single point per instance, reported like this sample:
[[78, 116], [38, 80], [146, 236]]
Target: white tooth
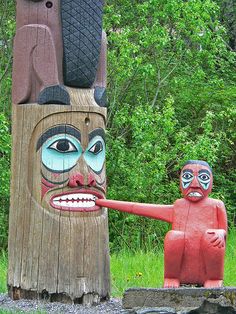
[[64, 204], [73, 204], [90, 204], [56, 202], [76, 196], [195, 194]]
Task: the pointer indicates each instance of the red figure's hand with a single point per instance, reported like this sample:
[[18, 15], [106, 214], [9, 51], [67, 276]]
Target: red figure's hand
[[218, 237]]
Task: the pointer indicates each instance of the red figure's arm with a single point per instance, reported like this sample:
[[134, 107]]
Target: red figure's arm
[[219, 234], [161, 212], [222, 217]]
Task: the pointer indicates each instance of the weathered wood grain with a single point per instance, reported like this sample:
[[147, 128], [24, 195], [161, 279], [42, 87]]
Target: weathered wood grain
[[58, 254]]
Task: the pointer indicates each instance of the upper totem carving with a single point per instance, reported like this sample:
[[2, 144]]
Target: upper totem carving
[[58, 43]]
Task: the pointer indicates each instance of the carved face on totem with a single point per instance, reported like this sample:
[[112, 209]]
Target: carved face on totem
[[196, 180], [70, 161]]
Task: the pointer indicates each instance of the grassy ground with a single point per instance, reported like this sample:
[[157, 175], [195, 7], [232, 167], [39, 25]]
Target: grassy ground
[[143, 269], [3, 272]]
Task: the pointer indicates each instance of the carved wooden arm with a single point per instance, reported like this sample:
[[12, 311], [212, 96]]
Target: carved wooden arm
[[161, 212]]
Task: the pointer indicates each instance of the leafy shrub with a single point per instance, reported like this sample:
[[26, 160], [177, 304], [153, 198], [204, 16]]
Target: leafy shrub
[[4, 178]]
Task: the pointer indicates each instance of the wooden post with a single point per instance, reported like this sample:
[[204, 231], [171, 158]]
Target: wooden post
[[58, 237]]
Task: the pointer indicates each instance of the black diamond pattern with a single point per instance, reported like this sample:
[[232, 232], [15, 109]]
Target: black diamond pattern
[[82, 33]]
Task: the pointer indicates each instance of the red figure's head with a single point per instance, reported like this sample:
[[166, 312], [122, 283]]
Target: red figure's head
[[196, 180]]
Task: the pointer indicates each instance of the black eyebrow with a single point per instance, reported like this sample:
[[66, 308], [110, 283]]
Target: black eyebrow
[[204, 171], [96, 132], [60, 129], [187, 170]]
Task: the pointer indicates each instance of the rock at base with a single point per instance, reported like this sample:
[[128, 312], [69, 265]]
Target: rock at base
[[181, 300]]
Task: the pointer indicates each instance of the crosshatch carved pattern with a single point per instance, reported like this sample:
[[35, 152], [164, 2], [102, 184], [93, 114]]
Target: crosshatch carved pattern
[[82, 32]]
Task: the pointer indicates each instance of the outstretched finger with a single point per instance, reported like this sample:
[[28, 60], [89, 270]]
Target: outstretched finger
[[214, 239], [217, 243]]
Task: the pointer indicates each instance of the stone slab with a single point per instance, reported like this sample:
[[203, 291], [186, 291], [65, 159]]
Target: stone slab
[[178, 299]]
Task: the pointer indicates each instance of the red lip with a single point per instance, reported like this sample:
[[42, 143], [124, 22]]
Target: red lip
[[76, 201], [195, 194]]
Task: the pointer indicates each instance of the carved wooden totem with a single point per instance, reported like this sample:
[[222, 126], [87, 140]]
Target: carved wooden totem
[[58, 237]]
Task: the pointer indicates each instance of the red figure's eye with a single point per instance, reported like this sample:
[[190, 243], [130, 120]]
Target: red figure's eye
[[204, 177], [187, 176]]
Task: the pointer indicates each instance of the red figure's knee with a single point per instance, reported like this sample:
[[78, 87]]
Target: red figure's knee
[[173, 251], [175, 238]]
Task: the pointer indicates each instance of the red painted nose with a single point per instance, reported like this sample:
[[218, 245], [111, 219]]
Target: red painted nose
[[195, 183], [79, 180]]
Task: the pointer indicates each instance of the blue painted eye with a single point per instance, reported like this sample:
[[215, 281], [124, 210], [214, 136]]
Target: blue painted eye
[[60, 153], [187, 178], [95, 154], [204, 179]]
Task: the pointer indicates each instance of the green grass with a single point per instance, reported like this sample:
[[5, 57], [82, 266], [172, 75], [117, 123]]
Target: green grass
[[136, 270], [3, 272], [143, 269], [230, 260]]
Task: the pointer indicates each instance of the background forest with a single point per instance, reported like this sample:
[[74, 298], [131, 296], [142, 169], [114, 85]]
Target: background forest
[[171, 97]]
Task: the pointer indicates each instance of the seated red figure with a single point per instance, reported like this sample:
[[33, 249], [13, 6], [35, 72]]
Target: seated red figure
[[195, 247]]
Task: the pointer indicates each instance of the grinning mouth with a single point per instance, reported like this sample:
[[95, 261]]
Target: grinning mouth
[[194, 194], [81, 201]]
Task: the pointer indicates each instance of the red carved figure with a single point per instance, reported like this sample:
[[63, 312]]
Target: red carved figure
[[194, 249]]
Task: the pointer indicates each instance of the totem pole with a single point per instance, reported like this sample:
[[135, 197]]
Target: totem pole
[[194, 249], [58, 237]]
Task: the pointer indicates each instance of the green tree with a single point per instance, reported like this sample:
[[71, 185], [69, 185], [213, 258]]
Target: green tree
[[172, 98]]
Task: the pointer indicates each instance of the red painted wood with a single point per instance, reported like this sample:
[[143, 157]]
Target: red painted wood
[[194, 249]]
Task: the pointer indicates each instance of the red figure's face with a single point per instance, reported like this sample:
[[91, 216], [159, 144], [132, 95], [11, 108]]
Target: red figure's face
[[195, 182]]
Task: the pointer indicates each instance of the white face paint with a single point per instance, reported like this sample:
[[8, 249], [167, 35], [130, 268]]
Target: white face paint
[[195, 181]]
